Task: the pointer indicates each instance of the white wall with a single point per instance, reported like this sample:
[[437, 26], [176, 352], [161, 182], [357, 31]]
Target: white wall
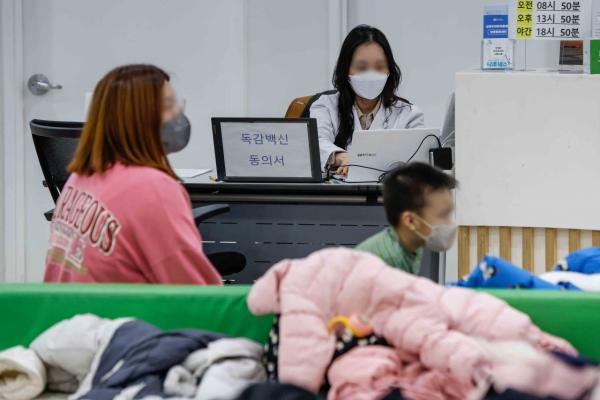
[[287, 54], [226, 58], [432, 40], [2, 133], [11, 224], [234, 57], [197, 42], [75, 42]]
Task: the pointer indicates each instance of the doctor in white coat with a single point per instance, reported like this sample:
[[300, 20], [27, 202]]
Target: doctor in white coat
[[366, 79]]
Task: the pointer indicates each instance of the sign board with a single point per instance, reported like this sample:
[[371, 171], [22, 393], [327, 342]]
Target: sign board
[[550, 19]]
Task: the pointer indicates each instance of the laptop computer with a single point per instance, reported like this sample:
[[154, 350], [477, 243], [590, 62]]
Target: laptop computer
[[373, 153], [267, 149]]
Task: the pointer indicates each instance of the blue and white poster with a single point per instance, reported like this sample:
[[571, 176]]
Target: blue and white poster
[[495, 26]]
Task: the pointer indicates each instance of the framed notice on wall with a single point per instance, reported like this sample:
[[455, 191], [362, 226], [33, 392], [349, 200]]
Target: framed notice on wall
[[550, 19]]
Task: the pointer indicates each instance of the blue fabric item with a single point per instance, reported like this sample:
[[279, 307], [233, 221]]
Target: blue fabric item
[[141, 354], [574, 361], [585, 261], [495, 272], [511, 394], [276, 391]]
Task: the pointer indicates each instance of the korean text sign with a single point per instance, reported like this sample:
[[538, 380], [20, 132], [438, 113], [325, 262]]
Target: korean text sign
[[266, 149], [550, 19]]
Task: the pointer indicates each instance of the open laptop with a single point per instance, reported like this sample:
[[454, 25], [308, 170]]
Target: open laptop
[[373, 153], [267, 149]]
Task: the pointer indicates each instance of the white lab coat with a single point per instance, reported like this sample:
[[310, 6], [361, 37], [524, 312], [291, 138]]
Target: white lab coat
[[325, 110]]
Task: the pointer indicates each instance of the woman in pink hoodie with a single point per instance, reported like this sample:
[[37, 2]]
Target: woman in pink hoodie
[[123, 215]]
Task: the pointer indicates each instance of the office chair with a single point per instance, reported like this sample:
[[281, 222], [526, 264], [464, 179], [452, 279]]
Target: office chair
[[55, 143], [297, 107], [300, 107]]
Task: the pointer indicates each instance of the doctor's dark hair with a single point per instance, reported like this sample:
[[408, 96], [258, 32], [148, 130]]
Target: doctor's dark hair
[[405, 188], [360, 35]]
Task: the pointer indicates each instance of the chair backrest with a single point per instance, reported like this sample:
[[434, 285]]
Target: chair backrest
[[297, 107], [55, 143], [300, 107]]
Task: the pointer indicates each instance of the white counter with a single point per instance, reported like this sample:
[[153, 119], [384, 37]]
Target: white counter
[[528, 149]]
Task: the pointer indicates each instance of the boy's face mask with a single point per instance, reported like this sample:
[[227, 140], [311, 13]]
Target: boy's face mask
[[441, 237]]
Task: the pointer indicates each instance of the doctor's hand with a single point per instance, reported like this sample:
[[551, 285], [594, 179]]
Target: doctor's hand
[[341, 161]]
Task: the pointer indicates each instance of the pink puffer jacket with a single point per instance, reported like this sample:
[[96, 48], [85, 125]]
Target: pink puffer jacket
[[425, 322]]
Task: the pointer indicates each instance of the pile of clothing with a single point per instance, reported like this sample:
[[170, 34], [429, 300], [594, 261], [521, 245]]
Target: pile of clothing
[[346, 325], [580, 270], [93, 358], [349, 324]]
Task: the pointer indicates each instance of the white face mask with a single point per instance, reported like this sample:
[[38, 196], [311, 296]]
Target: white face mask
[[441, 237], [368, 84]]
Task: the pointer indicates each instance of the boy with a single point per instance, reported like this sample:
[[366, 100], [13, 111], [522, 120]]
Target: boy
[[419, 204]]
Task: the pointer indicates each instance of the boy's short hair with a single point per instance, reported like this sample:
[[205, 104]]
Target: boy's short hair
[[404, 188]]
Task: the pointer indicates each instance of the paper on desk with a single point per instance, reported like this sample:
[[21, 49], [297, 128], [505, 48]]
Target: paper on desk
[[185, 173]]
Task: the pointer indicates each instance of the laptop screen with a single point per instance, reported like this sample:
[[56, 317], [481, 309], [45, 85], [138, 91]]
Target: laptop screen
[[261, 149]]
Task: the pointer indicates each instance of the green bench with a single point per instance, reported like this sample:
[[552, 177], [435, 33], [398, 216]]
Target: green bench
[[26, 310]]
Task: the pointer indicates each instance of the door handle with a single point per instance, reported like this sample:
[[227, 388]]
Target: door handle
[[39, 84]]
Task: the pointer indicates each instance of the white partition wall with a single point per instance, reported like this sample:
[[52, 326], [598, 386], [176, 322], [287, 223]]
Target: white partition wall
[[286, 53], [432, 40], [226, 58], [527, 157], [1, 163]]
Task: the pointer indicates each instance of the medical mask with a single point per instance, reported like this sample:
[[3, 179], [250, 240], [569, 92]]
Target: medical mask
[[441, 237], [368, 84], [176, 133]]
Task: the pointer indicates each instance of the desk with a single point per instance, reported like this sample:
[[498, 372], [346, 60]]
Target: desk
[[202, 185], [272, 221]]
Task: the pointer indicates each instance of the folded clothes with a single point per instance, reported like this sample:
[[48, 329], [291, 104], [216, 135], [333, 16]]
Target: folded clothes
[[68, 349], [521, 367], [223, 369], [95, 358], [22, 374], [137, 359], [495, 272], [587, 282], [585, 261]]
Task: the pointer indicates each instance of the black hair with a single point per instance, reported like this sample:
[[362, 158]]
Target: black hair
[[358, 36], [404, 188]]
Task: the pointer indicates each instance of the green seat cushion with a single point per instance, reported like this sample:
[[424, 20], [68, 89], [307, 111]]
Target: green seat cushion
[[29, 309], [26, 310]]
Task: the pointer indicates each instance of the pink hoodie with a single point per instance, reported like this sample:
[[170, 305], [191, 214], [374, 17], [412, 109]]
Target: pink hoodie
[[130, 224], [428, 325]]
